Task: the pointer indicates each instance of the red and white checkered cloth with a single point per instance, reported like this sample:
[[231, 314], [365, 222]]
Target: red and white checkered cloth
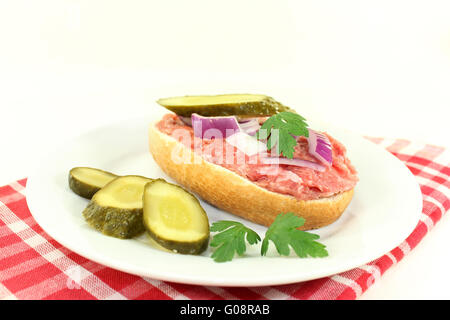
[[34, 266]]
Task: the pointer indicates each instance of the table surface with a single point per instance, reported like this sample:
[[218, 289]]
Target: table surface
[[378, 70]]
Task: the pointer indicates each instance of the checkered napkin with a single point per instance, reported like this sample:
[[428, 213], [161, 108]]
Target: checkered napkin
[[34, 266]]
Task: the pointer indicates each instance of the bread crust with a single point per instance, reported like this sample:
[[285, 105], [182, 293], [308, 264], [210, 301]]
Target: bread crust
[[235, 194]]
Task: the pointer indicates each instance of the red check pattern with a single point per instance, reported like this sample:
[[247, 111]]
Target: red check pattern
[[34, 266]]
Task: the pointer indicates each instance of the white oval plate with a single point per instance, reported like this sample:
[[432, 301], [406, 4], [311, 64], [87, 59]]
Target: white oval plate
[[384, 211]]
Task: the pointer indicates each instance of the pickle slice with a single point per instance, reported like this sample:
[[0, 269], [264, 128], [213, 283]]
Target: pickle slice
[[116, 209], [174, 218], [251, 105], [85, 181]]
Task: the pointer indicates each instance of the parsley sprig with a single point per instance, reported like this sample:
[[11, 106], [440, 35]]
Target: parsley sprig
[[231, 239], [283, 232], [279, 130]]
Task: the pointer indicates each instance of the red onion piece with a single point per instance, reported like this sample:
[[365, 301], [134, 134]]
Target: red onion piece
[[186, 120], [293, 162], [250, 126], [225, 126], [320, 147], [246, 143], [249, 123]]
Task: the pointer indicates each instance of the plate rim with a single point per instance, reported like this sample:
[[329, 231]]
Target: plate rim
[[276, 279]]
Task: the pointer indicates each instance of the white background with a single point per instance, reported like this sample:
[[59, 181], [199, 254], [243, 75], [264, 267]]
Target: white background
[[379, 68]]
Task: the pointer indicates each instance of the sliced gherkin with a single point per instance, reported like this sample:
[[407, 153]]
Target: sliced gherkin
[[174, 218], [116, 209], [86, 181], [251, 105]]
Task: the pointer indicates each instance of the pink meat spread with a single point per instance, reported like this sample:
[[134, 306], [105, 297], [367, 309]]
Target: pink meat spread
[[299, 182]]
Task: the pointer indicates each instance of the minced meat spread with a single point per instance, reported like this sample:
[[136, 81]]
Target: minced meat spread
[[299, 182]]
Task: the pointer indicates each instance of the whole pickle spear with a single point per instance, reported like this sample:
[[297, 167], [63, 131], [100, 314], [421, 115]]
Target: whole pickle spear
[[251, 105]]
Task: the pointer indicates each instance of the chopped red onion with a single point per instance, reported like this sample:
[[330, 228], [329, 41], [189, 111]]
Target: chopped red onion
[[250, 126], [226, 126], [246, 143], [293, 162], [320, 147], [186, 120]]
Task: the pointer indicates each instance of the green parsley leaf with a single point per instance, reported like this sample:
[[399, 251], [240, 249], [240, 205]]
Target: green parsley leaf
[[231, 239], [283, 233], [279, 130]]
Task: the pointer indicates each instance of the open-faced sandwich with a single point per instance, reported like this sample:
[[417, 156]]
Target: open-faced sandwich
[[254, 157]]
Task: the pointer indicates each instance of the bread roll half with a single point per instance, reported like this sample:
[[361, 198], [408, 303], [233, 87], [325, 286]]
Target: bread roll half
[[235, 194]]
